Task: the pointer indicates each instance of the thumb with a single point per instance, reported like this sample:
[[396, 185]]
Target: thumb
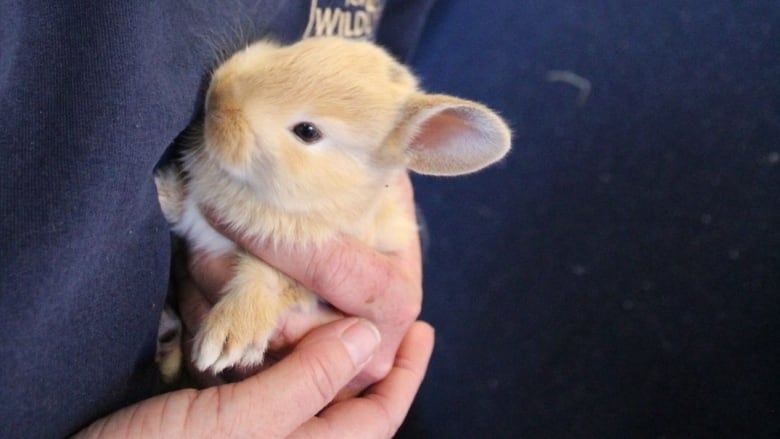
[[271, 404], [294, 390]]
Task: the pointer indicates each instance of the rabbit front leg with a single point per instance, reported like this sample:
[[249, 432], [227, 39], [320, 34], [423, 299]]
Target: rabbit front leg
[[238, 328]]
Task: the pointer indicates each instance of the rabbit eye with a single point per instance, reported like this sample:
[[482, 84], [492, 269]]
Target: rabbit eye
[[307, 132]]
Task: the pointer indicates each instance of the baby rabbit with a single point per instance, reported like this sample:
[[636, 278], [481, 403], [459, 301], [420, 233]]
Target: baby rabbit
[[302, 143]]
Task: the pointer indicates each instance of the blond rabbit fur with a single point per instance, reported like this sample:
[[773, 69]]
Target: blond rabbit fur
[[251, 167]]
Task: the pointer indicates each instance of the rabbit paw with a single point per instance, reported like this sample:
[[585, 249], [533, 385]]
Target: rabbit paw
[[169, 355], [230, 336]]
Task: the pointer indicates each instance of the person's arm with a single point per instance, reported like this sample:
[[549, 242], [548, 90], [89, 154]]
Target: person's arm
[[290, 398]]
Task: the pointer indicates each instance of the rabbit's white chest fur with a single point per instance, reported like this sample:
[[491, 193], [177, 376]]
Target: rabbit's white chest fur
[[194, 226]]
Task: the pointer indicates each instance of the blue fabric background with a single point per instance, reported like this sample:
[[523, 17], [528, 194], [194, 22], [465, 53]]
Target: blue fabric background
[[618, 275]]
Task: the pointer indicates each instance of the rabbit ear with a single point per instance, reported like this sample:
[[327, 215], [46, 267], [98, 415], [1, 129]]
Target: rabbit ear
[[452, 136]]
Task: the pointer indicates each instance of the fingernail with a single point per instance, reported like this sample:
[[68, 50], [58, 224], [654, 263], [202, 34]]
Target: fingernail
[[361, 340]]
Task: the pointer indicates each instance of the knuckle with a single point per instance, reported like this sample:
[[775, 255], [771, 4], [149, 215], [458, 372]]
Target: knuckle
[[329, 269], [319, 377], [390, 421], [410, 311], [405, 308]]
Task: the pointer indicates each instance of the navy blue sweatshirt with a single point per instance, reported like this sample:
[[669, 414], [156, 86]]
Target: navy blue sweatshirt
[[92, 95]]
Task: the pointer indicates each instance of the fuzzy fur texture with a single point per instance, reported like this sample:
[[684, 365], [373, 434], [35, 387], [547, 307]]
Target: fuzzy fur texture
[[249, 166]]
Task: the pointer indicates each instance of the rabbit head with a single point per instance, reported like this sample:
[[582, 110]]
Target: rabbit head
[[328, 117]]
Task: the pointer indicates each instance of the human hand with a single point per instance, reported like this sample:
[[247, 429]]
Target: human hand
[[290, 399], [355, 279]]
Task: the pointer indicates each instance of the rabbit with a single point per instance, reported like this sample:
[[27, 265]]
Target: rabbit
[[298, 144]]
